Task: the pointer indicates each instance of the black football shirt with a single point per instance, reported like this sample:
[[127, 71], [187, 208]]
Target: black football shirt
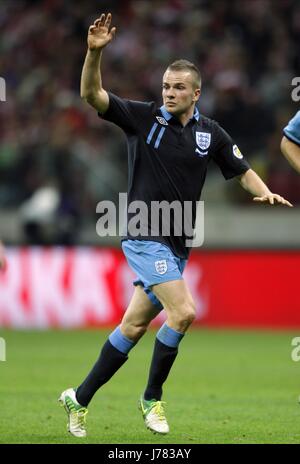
[[167, 162]]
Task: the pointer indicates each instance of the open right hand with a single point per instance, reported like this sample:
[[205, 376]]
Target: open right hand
[[99, 34]]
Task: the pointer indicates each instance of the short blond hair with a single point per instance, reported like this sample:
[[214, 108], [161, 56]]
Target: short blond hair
[[185, 65]]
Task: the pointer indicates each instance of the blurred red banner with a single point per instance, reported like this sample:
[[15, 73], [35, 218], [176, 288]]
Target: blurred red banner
[[83, 287]]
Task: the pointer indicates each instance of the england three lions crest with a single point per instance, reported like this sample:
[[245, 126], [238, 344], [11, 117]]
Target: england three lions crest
[[203, 140], [161, 266]]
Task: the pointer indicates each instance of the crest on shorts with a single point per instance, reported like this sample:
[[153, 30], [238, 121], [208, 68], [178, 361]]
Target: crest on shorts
[[203, 140], [161, 266]]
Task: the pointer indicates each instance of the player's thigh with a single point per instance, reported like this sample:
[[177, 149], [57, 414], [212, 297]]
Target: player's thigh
[[176, 299], [140, 310], [173, 294]]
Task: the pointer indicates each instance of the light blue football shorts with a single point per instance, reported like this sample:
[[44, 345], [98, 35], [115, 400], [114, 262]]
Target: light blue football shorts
[[153, 263]]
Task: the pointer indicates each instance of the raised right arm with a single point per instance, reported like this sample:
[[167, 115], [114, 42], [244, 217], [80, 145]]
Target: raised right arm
[[91, 88]]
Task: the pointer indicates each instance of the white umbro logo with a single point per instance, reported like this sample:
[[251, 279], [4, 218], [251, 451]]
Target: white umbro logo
[[161, 120]]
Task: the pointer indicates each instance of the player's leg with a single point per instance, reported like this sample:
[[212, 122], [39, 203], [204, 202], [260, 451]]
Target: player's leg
[[115, 351], [178, 303], [180, 308], [140, 312], [113, 355], [158, 268]]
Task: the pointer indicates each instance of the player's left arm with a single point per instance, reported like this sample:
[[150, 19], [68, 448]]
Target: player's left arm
[[233, 164], [251, 182]]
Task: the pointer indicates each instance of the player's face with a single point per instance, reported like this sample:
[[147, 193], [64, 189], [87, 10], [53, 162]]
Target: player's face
[[179, 91]]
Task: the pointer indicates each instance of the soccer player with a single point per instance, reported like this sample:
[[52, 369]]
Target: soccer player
[[290, 143], [169, 148]]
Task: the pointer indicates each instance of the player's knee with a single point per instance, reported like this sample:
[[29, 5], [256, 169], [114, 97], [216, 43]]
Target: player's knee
[[186, 316], [133, 331], [189, 315]]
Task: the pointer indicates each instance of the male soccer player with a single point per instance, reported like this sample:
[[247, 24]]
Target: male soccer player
[[290, 143], [169, 148]]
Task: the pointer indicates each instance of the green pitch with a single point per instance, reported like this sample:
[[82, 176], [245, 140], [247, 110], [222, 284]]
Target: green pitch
[[225, 387]]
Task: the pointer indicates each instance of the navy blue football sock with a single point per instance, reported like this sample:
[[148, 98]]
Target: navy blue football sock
[[164, 355], [162, 361], [113, 355]]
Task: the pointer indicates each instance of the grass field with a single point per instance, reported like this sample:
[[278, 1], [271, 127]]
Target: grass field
[[225, 387]]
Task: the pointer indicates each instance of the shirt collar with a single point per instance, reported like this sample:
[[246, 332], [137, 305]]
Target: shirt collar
[[168, 116], [196, 114]]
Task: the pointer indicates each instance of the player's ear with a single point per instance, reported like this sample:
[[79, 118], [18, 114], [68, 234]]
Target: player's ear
[[197, 94]]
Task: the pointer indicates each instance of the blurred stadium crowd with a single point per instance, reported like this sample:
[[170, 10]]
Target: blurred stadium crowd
[[58, 159]]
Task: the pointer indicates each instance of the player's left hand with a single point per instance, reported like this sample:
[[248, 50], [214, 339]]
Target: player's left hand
[[273, 199]]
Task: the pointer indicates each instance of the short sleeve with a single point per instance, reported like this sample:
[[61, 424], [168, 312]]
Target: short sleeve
[[292, 130], [127, 114], [227, 155]]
